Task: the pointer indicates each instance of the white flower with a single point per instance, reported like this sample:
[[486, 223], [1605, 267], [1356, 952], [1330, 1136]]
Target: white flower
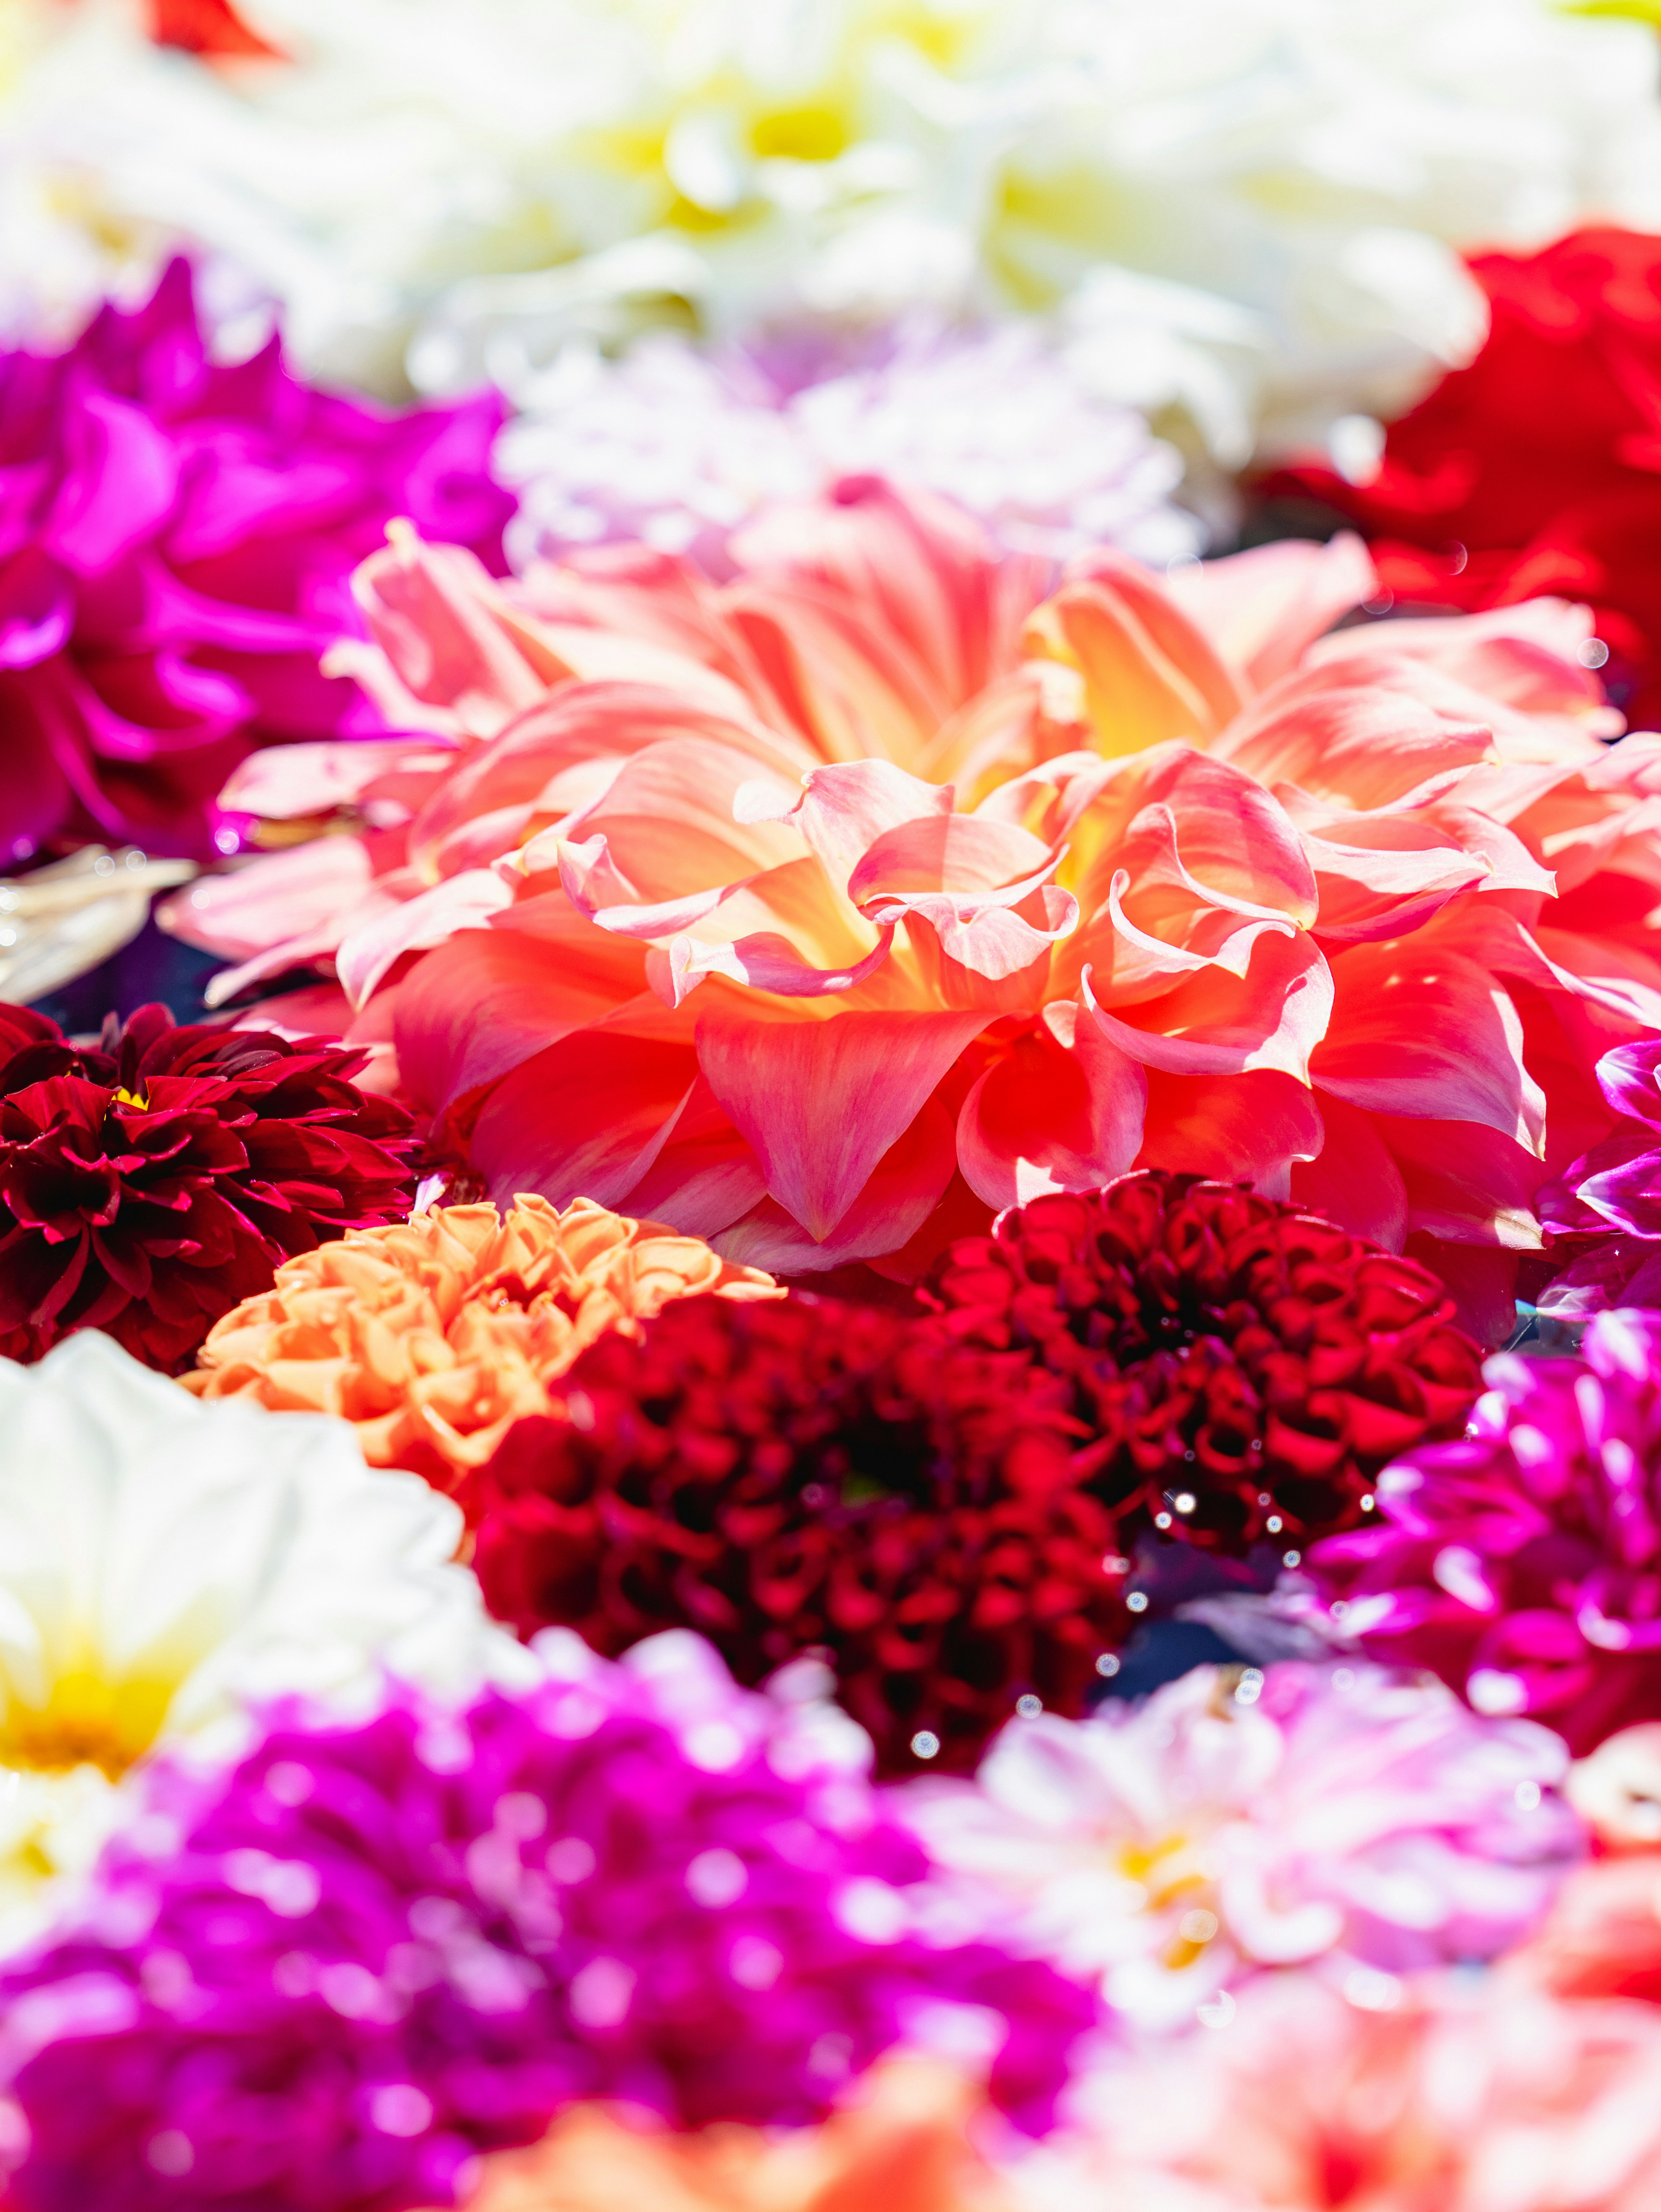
[[680, 448], [1240, 1820], [1247, 210], [164, 1563]]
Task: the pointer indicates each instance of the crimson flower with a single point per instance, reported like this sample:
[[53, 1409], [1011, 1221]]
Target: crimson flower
[[149, 1183], [1246, 1369], [812, 1474], [1533, 471]]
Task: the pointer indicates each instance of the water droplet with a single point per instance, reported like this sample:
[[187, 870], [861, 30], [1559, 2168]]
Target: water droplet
[[1029, 1707], [1108, 1664], [926, 1743]]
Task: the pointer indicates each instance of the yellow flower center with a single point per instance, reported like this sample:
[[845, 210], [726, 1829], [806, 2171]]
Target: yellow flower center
[[89, 1718], [134, 1099]]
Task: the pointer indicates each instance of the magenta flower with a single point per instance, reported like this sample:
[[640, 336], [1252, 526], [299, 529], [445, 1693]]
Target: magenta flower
[[1611, 1197], [1523, 1563], [330, 1978], [176, 539]]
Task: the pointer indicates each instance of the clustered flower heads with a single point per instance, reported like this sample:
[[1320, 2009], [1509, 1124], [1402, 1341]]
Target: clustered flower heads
[[164, 1568], [815, 1475], [432, 1336], [1355, 1820], [1244, 1368], [329, 1978], [148, 1182], [179, 539], [1523, 1563]]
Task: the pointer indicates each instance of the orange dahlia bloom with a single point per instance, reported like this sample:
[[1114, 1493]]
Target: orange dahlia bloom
[[902, 2148], [821, 911], [434, 1336]]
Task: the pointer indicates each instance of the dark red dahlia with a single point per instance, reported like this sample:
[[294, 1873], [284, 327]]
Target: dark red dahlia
[[813, 1474], [151, 1182], [1247, 1370]]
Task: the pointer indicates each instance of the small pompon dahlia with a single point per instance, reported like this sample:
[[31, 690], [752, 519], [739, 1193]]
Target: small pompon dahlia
[[1523, 1563], [432, 1336], [1246, 1368], [151, 1181], [324, 1983], [180, 534], [817, 1475]]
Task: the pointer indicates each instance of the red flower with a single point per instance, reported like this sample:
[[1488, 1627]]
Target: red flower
[[1246, 1369], [811, 1474], [1535, 471], [150, 1184]]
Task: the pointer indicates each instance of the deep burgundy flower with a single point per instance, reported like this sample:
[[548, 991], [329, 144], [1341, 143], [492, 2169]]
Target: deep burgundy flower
[[149, 1183], [1246, 1369], [1523, 1562], [177, 538], [1532, 471], [817, 1475], [322, 1982]]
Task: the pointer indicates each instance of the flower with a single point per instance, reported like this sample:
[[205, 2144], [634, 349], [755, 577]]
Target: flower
[[148, 1182], [1617, 1184], [816, 1476], [1249, 211], [1467, 2098], [373, 1950], [1532, 469], [180, 533], [1238, 1820], [162, 1566], [432, 1336], [679, 447], [784, 910], [1523, 1563], [901, 2143], [1247, 1367]]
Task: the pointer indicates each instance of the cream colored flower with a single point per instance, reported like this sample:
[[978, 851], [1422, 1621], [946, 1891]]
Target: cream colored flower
[[165, 1564]]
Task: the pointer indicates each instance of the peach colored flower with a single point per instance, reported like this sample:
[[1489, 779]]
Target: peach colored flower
[[1502, 2099], [788, 908], [901, 2147], [432, 1336]]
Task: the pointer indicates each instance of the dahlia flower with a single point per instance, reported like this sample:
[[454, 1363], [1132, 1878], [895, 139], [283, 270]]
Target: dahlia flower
[[1531, 469], [151, 1181], [330, 1978], [1468, 2099], [813, 1476], [1523, 1563], [164, 1563], [1238, 1820], [432, 1336], [680, 448], [1282, 186], [1243, 1370], [178, 538], [900, 2143], [1612, 1195], [783, 909]]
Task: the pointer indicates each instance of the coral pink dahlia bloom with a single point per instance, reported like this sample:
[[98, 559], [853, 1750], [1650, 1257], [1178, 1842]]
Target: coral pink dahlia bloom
[[784, 909]]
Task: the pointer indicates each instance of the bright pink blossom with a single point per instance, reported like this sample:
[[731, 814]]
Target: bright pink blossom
[[176, 536], [788, 909]]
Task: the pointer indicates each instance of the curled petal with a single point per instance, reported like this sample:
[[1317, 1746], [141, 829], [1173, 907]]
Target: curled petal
[[1217, 1023], [1063, 1110]]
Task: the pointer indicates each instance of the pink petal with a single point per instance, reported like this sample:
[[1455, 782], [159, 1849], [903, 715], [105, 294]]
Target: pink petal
[[1149, 675], [1063, 1110], [1216, 1023], [584, 1118], [1238, 1128], [1263, 609], [464, 902], [1353, 1180], [822, 1100], [284, 783]]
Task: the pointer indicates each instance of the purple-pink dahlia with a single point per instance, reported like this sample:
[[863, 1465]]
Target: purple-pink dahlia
[[326, 1982], [176, 538], [1523, 1564], [1604, 1210]]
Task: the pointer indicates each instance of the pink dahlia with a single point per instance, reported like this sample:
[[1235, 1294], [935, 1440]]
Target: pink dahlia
[[324, 1981], [1523, 1563], [1349, 1820], [177, 542], [825, 911], [1603, 1212]]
